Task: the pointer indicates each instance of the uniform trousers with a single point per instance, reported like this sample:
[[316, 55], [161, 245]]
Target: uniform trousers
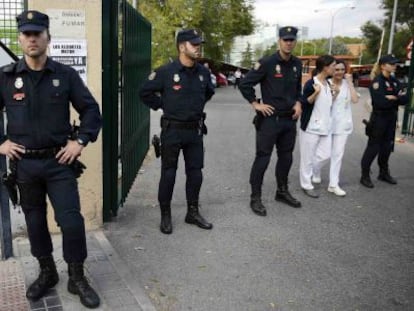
[[190, 141], [381, 141], [336, 155], [37, 178], [309, 158], [279, 132]]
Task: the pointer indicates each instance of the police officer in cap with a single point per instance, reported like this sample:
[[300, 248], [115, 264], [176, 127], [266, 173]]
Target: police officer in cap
[[386, 96], [36, 92], [181, 89], [280, 78]]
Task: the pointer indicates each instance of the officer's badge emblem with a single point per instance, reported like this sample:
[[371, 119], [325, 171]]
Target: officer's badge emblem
[[201, 78], [387, 83], [277, 68], [176, 78], [256, 66], [56, 82], [152, 75], [289, 29], [18, 83], [30, 15], [295, 69], [195, 32], [375, 85], [395, 84]]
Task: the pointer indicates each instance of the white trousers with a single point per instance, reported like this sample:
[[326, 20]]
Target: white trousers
[[309, 144], [336, 154]]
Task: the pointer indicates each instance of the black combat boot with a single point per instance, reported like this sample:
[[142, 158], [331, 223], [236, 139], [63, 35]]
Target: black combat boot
[[384, 175], [256, 205], [283, 195], [78, 285], [194, 217], [366, 179], [48, 277], [166, 225]]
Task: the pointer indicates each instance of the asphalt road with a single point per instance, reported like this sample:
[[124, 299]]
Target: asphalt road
[[351, 253]]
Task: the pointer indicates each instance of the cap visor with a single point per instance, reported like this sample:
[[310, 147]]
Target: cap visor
[[289, 37], [31, 27], [196, 41], [395, 61]]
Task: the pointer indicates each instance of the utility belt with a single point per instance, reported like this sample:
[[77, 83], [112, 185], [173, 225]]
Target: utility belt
[[185, 125], [387, 112], [44, 153], [283, 114], [259, 117]]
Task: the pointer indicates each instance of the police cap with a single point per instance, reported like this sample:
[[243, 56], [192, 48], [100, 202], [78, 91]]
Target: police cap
[[190, 35], [288, 32], [388, 59], [32, 21]]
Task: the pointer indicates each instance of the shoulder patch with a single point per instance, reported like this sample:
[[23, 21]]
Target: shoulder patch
[[152, 75], [257, 66], [375, 85], [9, 68]]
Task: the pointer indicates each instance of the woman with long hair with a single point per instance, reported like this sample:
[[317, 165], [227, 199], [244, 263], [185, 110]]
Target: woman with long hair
[[342, 126], [386, 95], [315, 122]]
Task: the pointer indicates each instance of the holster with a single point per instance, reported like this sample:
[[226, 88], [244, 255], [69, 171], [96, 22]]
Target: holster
[[156, 142], [9, 181], [78, 167], [368, 127], [257, 121]]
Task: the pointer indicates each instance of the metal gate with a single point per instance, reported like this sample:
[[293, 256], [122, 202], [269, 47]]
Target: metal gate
[[126, 57]]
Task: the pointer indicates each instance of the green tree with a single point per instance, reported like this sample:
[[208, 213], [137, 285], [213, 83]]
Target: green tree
[[404, 30], [219, 21], [247, 57]]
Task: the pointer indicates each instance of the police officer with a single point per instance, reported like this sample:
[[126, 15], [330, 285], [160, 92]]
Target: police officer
[[181, 89], [280, 78], [36, 91], [386, 95]]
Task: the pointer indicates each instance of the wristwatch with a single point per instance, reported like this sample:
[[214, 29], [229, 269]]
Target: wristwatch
[[81, 142]]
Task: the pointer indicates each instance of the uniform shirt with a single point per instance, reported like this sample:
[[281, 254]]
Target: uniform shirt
[[180, 91], [316, 117], [280, 81], [341, 111], [382, 86], [38, 109]]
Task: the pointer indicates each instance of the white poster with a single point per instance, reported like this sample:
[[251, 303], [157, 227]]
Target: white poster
[[71, 52], [67, 23]]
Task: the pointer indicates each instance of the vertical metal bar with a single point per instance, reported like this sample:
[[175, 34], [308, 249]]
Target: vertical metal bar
[[110, 105]]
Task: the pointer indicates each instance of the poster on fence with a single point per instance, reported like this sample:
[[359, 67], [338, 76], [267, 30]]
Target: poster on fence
[[71, 52]]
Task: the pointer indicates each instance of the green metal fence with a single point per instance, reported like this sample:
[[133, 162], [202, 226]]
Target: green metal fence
[[126, 63], [9, 9], [408, 122]]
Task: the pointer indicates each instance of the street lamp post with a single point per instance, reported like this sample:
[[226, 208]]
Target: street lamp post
[[333, 13]]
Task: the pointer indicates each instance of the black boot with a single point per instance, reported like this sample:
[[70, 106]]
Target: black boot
[[283, 195], [384, 175], [78, 285], [366, 179], [166, 225], [257, 206], [194, 217], [48, 277]]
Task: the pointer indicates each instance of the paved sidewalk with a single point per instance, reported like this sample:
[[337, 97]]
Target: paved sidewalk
[[118, 288]]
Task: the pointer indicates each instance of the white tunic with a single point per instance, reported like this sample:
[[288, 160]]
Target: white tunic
[[341, 111]]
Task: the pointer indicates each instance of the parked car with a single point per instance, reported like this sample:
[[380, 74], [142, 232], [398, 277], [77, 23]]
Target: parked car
[[221, 79], [364, 80]]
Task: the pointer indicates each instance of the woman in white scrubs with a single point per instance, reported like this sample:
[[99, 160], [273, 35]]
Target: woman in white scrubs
[[315, 122], [342, 126]]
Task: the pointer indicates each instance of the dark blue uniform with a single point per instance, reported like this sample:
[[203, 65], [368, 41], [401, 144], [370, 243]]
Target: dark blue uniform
[[181, 92], [382, 123], [280, 83], [37, 106]]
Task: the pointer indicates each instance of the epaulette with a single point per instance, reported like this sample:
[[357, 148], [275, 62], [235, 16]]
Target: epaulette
[[9, 68]]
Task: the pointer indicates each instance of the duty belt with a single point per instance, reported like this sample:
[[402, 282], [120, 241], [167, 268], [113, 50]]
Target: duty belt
[[44, 153], [283, 114], [182, 125]]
